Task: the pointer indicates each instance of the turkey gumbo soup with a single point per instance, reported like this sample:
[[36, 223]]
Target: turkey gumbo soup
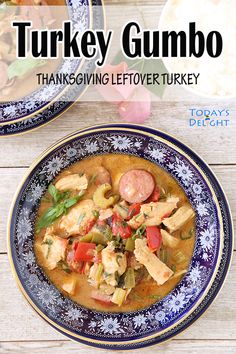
[[115, 233], [18, 73]]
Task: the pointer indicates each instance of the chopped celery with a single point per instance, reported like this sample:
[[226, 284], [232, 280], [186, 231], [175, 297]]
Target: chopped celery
[[96, 272], [135, 296], [179, 273], [122, 211], [129, 245], [186, 236], [164, 255], [99, 272], [119, 296], [129, 279], [106, 231], [98, 238], [154, 296], [86, 238], [99, 248], [179, 257]]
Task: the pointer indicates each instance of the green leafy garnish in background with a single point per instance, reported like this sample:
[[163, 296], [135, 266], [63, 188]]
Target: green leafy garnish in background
[[56, 210], [150, 66], [20, 67], [3, 7]]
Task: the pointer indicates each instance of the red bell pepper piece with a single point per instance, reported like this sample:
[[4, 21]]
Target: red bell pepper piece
[[120, 227], [89, 226], [84, 252], [133, 210], [166, 215], [101, 222], [154, 238], [154, 197], [74, 245]]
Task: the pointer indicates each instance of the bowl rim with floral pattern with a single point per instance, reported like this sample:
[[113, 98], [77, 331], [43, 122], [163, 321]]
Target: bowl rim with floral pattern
[[40, 100], [58, 107], [195, 291]]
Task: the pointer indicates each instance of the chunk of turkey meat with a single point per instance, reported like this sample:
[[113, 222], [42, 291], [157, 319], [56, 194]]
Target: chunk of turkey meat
[[54, 250], [180, 217], [72, 182], [152, 214], [157, 269], [75, 222]]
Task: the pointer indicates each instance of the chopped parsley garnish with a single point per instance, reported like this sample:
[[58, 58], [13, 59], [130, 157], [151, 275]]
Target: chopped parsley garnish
[[48, 242], [92, 179], [64, 266], [139, 232], [80, 219], [96, 213], [118, 256]]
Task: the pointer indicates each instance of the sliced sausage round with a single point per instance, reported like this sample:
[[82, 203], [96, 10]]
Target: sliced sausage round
[[136, 186], [102, 176]]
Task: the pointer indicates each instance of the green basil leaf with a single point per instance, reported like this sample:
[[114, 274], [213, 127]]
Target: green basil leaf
[[20, 67], [56, 195], [53, 192], [60, 210], [55, 211], [70, 202], [47, 218]]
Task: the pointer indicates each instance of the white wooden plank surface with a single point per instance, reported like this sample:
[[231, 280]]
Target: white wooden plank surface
[[21, 329], [215, 145], [19, 322], [175, 347]]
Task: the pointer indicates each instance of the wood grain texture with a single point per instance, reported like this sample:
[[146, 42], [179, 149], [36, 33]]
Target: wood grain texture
[[11, 177], [19, 322], [175, 347], [215, 145]]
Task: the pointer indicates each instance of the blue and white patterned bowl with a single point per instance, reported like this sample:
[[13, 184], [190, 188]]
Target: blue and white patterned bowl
[[49, 101], [193, 294]]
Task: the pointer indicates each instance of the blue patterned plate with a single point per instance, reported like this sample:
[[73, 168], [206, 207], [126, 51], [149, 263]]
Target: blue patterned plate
[[33, 111], [193, 294]]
